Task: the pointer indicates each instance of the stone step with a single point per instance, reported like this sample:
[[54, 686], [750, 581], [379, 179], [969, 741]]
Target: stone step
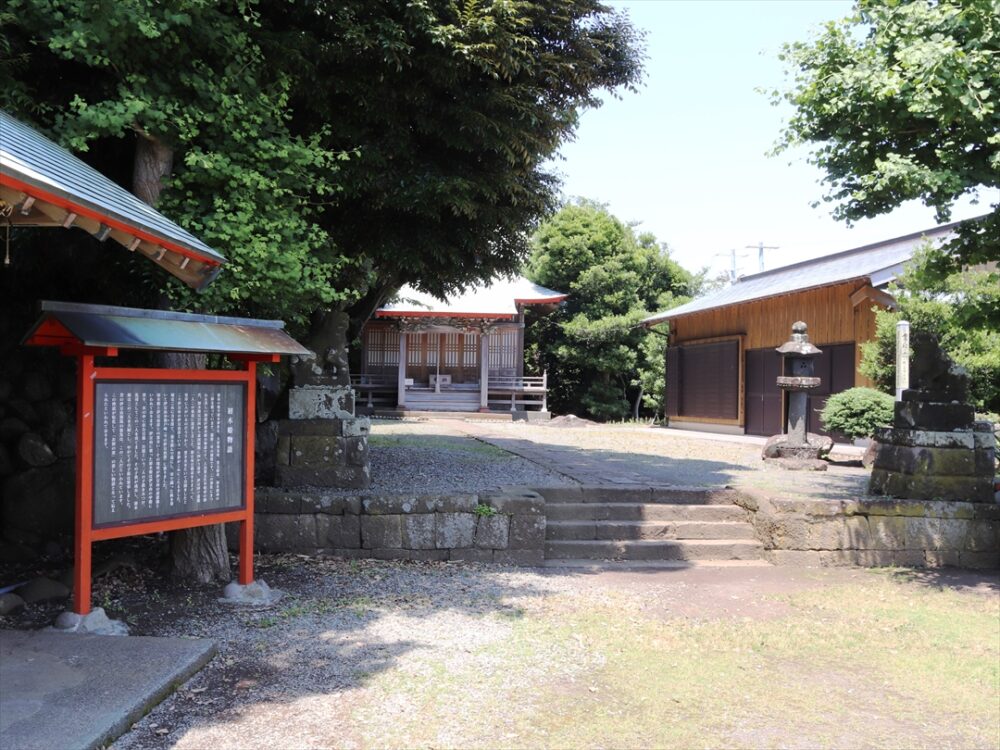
[[642, 512], [603, 566], [622, 530], [645, 495], [648, 549]]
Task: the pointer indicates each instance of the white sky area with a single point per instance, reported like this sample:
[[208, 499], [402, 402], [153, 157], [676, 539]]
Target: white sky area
[[686, 155]]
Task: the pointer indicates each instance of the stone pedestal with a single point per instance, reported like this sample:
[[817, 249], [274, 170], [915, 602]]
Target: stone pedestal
[[323, 453], [934, 450]]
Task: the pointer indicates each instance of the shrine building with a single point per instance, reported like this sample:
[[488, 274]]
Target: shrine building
[[460, 354]]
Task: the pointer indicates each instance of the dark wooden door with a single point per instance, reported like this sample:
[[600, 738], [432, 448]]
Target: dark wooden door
[[762, 406], [835, 368]]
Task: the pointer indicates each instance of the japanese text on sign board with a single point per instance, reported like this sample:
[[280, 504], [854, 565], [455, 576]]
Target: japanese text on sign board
[[167, 449]]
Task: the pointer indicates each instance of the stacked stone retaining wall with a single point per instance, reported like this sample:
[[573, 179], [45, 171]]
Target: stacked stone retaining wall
[[875, 533], [498, 527]]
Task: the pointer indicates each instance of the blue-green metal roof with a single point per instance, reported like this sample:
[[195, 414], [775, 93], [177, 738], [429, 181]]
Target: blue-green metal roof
[[132, 328]]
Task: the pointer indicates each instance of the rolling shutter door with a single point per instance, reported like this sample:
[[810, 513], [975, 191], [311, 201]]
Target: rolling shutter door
[[672, 407], [710, 380]]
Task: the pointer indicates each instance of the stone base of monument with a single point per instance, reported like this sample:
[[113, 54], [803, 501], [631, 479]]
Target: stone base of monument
[[255, 594], [778, 453], [935, 464], [323, 453], [321, 402], [96, 622]]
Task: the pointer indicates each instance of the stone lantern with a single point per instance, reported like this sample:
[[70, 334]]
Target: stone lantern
[[797, 449]]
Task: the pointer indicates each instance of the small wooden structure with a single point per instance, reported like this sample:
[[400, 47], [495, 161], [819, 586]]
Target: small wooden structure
[[160, 449], [721, 363], [465, 353]]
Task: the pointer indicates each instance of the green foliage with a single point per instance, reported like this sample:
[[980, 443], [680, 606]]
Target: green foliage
[[328, 149], [601, 361], [899, 101], [484, 511], [962, 310], [856, 412]]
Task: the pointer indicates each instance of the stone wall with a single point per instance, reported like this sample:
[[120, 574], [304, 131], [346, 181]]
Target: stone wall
[[323, 453], [37, 446], [874, 533], [402, 527]]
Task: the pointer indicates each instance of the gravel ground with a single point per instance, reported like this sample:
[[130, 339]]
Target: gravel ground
[[626, 454], [371, 654], [419, 456]]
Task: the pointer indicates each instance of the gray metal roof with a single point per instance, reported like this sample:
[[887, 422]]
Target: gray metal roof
[[880, 263], [28, 156], [131, 328]]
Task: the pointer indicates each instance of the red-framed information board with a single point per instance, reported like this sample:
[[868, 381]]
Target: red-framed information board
[[160, 449]]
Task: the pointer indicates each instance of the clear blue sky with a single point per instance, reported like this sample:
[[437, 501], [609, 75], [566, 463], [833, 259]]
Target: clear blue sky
[[686, 155]]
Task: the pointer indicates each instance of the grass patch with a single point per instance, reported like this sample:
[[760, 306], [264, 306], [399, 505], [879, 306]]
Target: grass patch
[[878, 663], [438, 443]]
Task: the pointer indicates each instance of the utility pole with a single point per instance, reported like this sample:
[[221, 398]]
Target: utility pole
[[732, 263], [760, 247]]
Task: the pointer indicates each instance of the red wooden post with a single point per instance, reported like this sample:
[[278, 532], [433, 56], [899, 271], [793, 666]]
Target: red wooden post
[[84, 482], [246, 525]]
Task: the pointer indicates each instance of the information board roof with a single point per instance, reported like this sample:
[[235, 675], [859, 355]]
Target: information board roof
[[132, 328], [49, 186]]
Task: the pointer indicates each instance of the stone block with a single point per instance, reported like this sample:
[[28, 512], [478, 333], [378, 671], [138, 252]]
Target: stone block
[[316, 451], [987, 511], [566, 494], [526, 532], [791, 533], [418, 531], [969, 489], [342, 477], [381, 532], [866, 558], [926, 461], [936, 533], [356, 450], [321, 402], [885, 508], [338, 532], [515, 502], [909, 558], [283, 451], [380, 505], [942, 558], [471, 554], [276, 500], [809, 507], [931, 415], [531, 558], [492, 532], [357, 427], [455, 503], [981, 560], [982, 536], [310, 427], [887, 532], [839, 534], [952, 509], [285, 533], [329, 503], [454, 530], [797, 558], [417, 555], [985, 461], [925, 438]]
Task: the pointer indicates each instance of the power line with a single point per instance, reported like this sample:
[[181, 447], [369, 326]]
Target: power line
[[760, 247]]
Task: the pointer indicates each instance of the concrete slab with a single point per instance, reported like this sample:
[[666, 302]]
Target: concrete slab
[[73, 691]]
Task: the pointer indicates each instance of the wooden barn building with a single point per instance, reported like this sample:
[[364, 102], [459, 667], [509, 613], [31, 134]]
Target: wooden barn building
[[461, 354], [721, 360]]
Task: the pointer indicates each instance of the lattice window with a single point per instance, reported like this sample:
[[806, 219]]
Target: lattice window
[[452, 349], [381, 348], [503, 349], [471, 350]]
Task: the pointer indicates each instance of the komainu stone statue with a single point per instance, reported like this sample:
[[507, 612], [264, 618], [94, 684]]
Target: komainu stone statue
[[934, 449]]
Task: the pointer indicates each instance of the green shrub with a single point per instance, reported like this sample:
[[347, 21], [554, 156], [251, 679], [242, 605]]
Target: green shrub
[[856, 412]]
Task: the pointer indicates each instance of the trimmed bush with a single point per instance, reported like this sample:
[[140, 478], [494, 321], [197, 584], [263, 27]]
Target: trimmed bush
[[856, 412]]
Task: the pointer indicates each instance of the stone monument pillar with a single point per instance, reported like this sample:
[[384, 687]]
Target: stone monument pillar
[[323, 443], [934, 449], [797, 449]]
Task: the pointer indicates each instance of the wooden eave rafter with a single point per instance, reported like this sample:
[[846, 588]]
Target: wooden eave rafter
[[34, 208], [868, 292]]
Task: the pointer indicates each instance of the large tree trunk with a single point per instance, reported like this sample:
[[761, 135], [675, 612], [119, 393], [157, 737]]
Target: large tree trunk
[[199, 554]]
